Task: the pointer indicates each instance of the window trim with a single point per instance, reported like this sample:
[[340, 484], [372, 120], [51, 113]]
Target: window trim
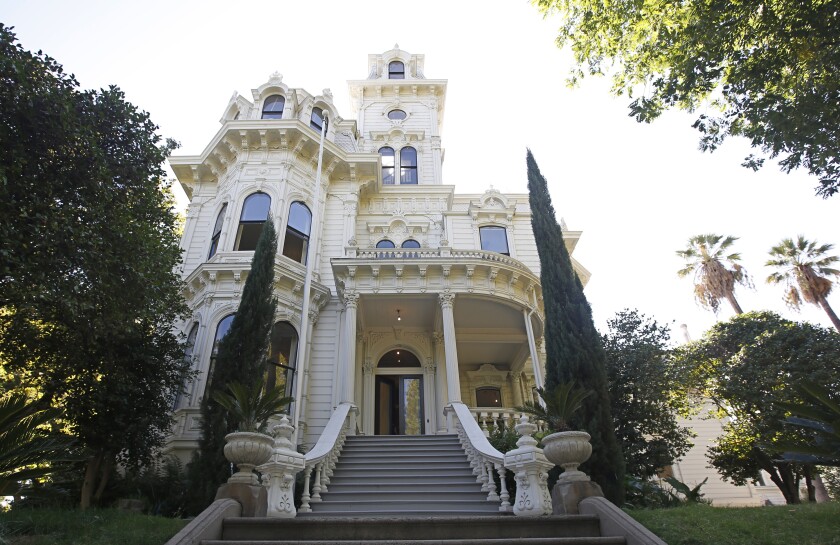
[[396, 74], [494, 227], [324, 126], [392, 168], [304, 237], [265, 103], [407, 170], [242, 222], [217, 232]]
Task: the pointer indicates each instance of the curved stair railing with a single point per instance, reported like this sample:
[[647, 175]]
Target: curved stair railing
[[483, 457], [324, 455]]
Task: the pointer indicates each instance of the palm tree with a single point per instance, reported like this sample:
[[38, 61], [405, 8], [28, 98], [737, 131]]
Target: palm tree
[[713, 281], [804, 268]]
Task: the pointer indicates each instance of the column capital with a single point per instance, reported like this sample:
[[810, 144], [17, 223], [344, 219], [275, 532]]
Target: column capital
[[446, 299], [368, 367], [351, 299], [437, 337]]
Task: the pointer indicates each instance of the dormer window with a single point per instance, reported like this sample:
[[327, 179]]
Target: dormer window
[[317, 120], [397, 115], [387, 155], [396, 70], [494, 239], [254, 213], [273, 107]]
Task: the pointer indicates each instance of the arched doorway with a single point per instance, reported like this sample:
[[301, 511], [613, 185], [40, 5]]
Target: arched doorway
[[398, 401]]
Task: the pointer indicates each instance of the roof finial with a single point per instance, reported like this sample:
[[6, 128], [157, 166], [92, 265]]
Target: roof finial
[[396, 46]]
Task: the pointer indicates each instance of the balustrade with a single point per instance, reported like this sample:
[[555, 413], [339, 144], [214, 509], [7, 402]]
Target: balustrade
[[490, 419]]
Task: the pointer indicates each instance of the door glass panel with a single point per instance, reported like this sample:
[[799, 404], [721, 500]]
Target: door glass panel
[[411, 405]]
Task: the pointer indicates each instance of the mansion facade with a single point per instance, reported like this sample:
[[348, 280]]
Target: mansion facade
[[417, 296]]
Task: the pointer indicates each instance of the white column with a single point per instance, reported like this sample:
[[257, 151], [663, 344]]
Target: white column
[[450, 348], [532, 346], [441, 395], [516, 388], [351, 206], [369, 397], [351, 301], [429, 403]]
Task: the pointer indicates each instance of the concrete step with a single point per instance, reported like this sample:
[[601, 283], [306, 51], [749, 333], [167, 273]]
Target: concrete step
[[309, 528], [372, 450], [399, 495], [401, 458], [505, 541], [430, 465], [422, 485], [396, 506]]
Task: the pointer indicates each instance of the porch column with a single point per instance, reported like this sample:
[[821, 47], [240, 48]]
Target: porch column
[[441, 397], [532, 346], [429, 395], [351, 301], [368, 395], [350, 211], [516, 388], [450, 348]]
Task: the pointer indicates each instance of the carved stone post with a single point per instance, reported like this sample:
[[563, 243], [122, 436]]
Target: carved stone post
[[351, 301], [441, 397], [368, 394], [453, 380], [530, 467], [285, 462]]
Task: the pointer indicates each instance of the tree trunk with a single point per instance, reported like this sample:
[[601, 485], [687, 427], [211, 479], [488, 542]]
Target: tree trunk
[[821, 492], [89, 483], [809, 485], [732, 301], [784, 479], [105, 475], [832, 316]]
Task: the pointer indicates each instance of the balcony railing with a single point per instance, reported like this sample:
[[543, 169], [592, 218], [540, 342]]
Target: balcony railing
[[431, 253]]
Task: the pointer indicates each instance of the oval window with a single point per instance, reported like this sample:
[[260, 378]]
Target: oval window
[[397, 115]]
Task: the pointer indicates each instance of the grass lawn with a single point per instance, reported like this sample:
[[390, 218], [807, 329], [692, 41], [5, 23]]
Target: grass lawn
[[815, 524], [91, 527]]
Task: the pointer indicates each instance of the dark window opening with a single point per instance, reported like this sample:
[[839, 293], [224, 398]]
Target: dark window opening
[[254, 213], [494, 239], [387, 155], [221, 332], [217, 232], [397, 115], [281, 358], [410, 243], [273, 107], [385, 243], [398, 358], [396, 70], [317, 120], [296, 242], [488, 397], [408, 165]]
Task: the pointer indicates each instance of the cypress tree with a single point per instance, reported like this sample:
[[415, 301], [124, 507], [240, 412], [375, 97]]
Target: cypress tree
[[573, 345], [241, 357]]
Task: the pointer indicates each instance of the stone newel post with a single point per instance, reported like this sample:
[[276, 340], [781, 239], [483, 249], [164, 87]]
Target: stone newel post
[[530, 467], [285, 462]]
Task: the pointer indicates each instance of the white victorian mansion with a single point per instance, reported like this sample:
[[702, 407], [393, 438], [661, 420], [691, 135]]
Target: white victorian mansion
[[419, 297]]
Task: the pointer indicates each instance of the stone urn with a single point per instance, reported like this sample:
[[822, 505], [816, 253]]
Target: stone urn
[[247, 450], [568, 449]]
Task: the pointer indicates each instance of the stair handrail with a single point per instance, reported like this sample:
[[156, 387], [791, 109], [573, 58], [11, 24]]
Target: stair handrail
[[483, 456], [323, 457]]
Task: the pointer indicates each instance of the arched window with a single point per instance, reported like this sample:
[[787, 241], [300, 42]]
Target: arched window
[[385, 243], [273, 107], [254, 213], [396, 115], [296, 242], [488, 396], [189, 348], [408, 165], [410, 243], [317, 120], [217, 232], [494, 239], [221, 332], [396, 70], [387, 155], [398, 358], [281, 357]]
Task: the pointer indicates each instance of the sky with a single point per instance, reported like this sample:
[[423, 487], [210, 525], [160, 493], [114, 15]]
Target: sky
[[637, 192]]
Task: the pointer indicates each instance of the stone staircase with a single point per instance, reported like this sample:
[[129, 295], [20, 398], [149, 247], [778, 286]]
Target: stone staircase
[[404, 490], [403, 476]]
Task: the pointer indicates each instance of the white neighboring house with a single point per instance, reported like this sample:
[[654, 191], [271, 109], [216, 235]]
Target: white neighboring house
[[420, 296]]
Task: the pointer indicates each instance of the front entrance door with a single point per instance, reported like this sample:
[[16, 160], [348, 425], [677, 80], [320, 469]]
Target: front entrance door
[[399, 405]]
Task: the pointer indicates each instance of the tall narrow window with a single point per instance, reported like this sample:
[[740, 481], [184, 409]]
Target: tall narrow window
[[494, 239], [181, 395], [221, 332], [254, 213], [296, 242], [281, 357], [387, 155], [273, 107], [396, 70], [408, 165], [217, 232], [317, 120]]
